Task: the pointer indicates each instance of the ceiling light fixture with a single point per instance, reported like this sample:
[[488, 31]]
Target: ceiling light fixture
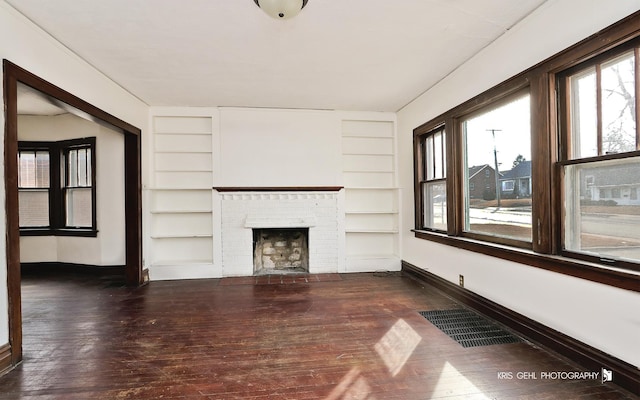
[[281, 9]]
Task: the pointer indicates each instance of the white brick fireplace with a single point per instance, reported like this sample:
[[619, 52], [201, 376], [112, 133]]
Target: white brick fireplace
[[320, 211]]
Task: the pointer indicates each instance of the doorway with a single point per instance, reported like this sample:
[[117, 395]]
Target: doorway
[[13, 76]]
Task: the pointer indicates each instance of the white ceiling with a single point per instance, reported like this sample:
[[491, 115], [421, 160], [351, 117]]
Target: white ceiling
[[373, 55]]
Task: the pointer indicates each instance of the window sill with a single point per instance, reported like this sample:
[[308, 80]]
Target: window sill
[[79, 232], [620, 278]]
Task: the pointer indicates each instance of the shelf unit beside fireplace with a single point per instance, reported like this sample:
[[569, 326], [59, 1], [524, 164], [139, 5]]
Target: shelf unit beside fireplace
[[181, 216], [371, 193]]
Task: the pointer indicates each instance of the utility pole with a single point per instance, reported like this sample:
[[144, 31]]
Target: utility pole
[[495, 162]]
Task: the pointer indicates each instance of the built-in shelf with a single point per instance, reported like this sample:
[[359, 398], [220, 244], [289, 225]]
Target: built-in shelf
[[372, 208]]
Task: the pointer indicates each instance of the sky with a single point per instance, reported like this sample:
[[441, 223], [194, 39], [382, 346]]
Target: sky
[[512, 123]]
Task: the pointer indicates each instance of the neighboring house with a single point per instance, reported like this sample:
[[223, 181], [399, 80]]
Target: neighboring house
[[620, 183], [516, 183], [482, 182]]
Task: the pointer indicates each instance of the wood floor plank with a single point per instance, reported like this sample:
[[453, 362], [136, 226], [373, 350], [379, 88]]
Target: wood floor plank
[[356, 336]]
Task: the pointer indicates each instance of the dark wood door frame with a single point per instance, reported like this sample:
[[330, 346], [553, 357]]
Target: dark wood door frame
[[133, 193]]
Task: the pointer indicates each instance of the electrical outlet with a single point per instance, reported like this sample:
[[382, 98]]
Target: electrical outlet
[[461, 280]]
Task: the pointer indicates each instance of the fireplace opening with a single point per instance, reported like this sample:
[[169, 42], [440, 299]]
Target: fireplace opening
[[280, 250]]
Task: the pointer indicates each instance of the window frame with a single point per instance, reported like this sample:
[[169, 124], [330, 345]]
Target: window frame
[[546, 169], [420, 170], [33, 147], [57, 182], [564, 130], [500, 98]]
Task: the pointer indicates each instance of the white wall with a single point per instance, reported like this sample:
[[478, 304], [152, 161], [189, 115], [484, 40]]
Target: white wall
[[29, 47], [108, 248], [267, 147], [599, 315]]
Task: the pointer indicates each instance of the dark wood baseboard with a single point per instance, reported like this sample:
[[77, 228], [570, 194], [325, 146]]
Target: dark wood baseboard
[[625, 374], [51, 267], [5, 358]]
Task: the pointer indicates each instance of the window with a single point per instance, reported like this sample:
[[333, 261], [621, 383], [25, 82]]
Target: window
[[602, 142], [508, 186], [498, 138], [56, 187], [33, 187], [433, 191], [78, 190], [547, 161]]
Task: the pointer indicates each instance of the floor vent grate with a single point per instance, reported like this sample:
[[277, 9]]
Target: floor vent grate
[[468, 328]]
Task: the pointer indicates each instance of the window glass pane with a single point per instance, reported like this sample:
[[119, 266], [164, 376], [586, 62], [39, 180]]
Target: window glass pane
[[78, 207], [79, 167], [428, 159], [434, 195], [88, 167], [437, 142], [33, 206], [618, 105], [584, 111], [602, 210], [499, 140], [72, 168], [33, 169], [42, 169]]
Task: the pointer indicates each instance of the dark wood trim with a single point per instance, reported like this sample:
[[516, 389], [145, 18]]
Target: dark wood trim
[[11, 207], [562, 265], [88, 110], [605, 157], [52, 267], [636, 59], [542, 233], [78, 232], [625, 374], [133, 186], [418, 176], [598, 108], [134, 275], [5, 358], [278, 188]]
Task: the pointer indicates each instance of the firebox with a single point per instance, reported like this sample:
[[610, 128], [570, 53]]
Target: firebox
[[280, 250]]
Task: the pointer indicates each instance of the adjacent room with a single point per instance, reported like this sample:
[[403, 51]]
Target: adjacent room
[[302, 199]]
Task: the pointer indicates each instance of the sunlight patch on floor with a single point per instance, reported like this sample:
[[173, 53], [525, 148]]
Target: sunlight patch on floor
[[397, 345]]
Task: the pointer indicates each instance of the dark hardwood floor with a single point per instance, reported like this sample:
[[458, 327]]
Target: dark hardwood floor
[[356, 336]]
